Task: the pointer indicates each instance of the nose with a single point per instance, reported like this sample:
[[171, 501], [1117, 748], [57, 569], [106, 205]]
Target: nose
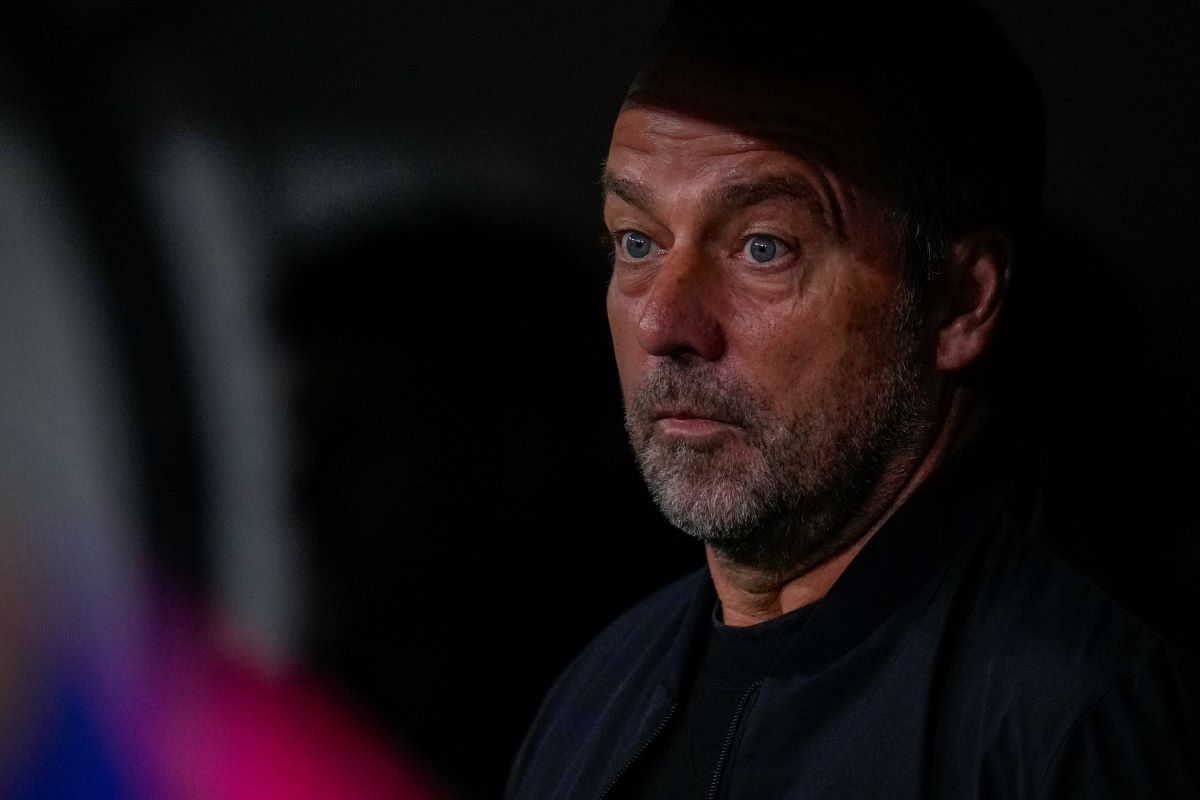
[[679, 318]]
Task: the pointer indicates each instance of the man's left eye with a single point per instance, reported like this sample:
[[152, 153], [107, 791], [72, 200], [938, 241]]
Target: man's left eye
[[764, 249]]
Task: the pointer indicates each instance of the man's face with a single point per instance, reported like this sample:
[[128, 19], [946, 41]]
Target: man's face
[[772, 376]]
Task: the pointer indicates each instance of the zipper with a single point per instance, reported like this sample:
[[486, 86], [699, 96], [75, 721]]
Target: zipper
[[646, 744], [727, 745]]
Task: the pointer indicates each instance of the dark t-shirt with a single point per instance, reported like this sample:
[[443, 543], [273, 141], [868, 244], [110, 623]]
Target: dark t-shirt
[[682, 760]]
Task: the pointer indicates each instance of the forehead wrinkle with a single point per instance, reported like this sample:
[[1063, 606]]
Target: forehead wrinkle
[[823, 197], [745, 194]]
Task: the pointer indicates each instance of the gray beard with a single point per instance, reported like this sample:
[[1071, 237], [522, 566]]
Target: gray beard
[[780, 492]]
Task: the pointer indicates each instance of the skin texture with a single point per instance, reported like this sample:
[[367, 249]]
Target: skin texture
[[780, 410]]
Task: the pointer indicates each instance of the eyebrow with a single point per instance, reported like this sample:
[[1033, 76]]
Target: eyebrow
[[632, 192], [737, 196]]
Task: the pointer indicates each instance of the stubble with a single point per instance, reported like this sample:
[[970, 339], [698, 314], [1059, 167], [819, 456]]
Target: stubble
[[779, 490]]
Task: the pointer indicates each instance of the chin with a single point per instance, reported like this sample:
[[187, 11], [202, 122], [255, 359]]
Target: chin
[[774, 533]]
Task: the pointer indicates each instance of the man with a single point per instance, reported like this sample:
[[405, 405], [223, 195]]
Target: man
[[815, 223]]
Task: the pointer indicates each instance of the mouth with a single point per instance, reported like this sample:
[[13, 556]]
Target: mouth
[[691, 423], [691, 412]]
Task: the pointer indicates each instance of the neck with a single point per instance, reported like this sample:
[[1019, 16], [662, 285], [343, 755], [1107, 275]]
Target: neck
[[749, 596]]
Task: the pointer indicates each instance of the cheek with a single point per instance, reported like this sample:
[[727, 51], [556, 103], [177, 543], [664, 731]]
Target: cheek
[[809, 354], [622, 324], [781, 345]]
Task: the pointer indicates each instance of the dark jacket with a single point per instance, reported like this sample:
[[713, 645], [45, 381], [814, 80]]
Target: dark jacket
[[956, 657]]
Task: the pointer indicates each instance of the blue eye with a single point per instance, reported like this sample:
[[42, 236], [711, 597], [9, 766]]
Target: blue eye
[[763, 249], [637, 245]]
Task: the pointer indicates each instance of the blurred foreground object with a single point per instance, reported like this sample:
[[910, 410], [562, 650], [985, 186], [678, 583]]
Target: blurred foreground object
[[114, 683], [172, 712]]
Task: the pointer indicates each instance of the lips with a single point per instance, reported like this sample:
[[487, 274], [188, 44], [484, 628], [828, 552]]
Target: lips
[[691, 414]]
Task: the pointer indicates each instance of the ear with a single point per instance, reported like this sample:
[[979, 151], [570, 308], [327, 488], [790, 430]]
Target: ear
[[974, 281]]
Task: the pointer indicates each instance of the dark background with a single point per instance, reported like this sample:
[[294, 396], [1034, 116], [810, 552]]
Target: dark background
[[342, 265]]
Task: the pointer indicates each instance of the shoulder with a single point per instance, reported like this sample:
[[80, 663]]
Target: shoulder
[[645, 623], [637, 641], [1049, 669], [597, 700], [1139, 738], [1047, 621]]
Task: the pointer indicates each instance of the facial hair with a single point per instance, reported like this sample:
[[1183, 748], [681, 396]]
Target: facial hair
[[778, 491]]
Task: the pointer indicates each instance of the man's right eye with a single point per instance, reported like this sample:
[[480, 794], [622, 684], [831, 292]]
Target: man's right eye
[[636, 245]]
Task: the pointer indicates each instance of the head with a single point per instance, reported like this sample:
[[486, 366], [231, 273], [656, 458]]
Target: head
[[812, 240]]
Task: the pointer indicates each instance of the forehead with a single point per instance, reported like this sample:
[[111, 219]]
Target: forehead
[[662, 155], [832, 123], [651, 136]]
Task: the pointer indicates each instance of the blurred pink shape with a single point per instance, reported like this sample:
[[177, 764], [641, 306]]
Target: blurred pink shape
[[207, 724]]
